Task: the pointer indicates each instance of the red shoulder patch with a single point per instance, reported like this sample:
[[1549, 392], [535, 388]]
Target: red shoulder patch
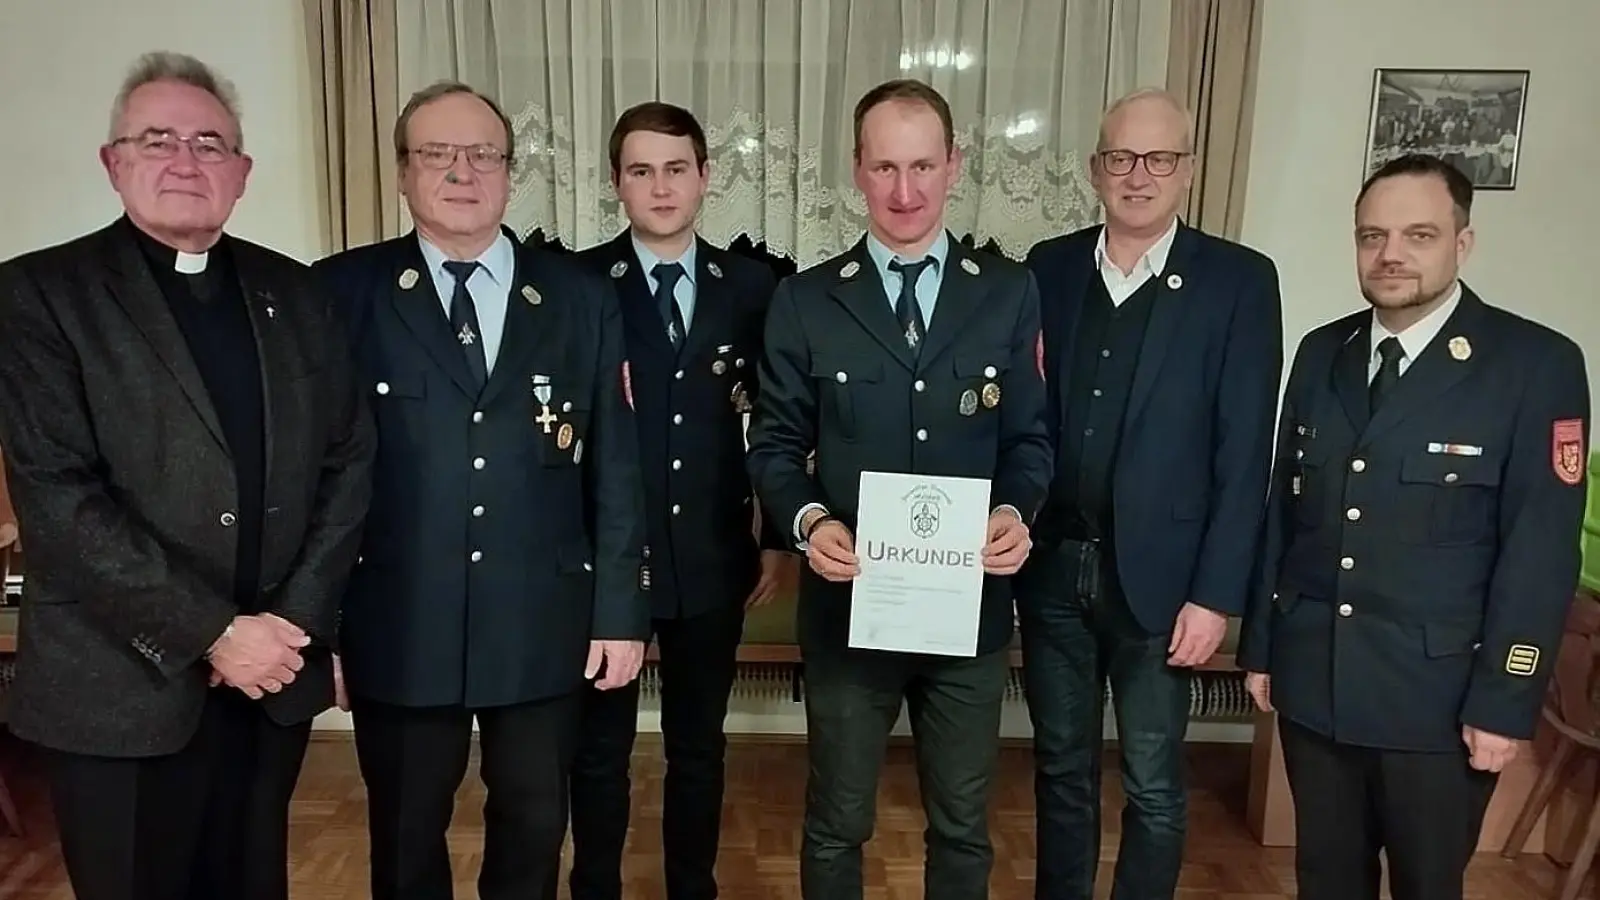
[[1038, 353], [627, 384], [1567, 438]]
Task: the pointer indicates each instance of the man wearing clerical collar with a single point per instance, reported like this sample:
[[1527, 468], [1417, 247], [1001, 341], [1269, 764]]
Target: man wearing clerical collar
[[190, 465], [504, 570]]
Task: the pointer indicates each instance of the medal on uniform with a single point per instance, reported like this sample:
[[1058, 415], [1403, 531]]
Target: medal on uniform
[[541, 392], [969, 402], [408, 279], [741, 399], [714, 269], [969, 266], [1460, 349], [531, 295], [619, 270], [564, 436], [991, 395], [577, 452], [718, 367]]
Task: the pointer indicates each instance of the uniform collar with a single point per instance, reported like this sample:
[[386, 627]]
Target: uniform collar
[[1415, 339], [648, 258], [497, 260], [881, 255]]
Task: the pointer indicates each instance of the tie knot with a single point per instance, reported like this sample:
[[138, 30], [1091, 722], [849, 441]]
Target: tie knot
[[910, 271], [1389, 348], [667, 273], [461, 270]]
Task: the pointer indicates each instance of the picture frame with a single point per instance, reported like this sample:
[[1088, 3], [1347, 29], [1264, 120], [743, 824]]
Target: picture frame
[[1472, 118]]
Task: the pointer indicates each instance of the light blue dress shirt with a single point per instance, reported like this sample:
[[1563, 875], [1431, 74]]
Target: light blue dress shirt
[[927, 283], [489, 285], [683, 291]]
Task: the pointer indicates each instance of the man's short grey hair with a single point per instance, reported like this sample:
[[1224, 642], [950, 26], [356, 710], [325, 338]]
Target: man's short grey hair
[[1151, 93], [164, 65]]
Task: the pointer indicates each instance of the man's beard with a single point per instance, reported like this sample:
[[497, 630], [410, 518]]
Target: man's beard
[[1424, 295]]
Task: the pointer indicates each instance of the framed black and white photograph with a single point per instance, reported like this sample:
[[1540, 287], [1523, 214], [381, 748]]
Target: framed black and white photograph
[[1470, 117]]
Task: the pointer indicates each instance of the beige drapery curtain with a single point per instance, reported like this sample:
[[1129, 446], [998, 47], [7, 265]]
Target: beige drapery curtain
[[355, 93], [1212, 63]]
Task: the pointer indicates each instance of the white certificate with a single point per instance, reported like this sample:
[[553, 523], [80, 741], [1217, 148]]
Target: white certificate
[[919, 540]]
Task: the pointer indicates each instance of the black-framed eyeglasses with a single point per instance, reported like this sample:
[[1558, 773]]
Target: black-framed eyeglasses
[[483, 158], [1159, 163], [208, 148]]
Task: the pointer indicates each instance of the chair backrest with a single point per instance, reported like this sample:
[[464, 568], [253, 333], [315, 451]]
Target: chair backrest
[[1574, 694]]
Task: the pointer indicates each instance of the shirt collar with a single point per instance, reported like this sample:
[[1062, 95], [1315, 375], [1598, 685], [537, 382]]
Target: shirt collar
[[1155, 259], [1415, 339], [497, 260], [648, 259], [882, 255]]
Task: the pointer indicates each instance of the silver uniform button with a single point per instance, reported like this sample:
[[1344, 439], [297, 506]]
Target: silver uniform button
[[383, 387], [840, 377], [1358, 465], [1353, 514], [477, 511], [677, 418], [1346, 609], [676, 509], [477, 555], [679, 375], [477, 416], [478, 463], [227, 519], [1347, 563], [918, 385], [1451, 478], [988, 371], [922, 434], [677, 464]]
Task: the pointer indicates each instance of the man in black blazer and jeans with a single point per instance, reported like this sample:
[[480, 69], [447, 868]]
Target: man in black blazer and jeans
[[1163, 353], [190, 466]]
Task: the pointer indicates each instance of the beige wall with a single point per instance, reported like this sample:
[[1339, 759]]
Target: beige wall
[[1536, 245]]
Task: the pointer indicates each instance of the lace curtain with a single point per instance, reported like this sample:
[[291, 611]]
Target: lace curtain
[[775, 83]]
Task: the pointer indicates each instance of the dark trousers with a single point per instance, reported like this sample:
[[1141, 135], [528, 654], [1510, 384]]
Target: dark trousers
[[414, 760], [1423, 810], [852, 702], [1078, 634], [697, 667], [207, 822]]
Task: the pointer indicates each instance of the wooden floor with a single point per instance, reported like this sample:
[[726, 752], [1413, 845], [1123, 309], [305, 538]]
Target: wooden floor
[[758, 860]]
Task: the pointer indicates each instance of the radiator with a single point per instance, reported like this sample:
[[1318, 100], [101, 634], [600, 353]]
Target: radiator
[[1213, 696]]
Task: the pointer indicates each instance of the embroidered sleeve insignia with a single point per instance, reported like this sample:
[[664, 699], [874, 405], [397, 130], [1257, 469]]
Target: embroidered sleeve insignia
[[1522, 660], [1038, 353], [1566, 450], [627, 384]]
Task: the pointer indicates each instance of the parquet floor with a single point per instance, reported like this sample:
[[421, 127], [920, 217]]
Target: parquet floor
[[758, 860]]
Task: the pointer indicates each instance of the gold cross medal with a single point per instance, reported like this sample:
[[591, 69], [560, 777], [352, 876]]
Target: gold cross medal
[[541, 392]]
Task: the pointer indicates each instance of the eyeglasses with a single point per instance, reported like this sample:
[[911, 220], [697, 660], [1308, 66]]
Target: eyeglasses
[[1159, 163], [483, 158], [208, 149]]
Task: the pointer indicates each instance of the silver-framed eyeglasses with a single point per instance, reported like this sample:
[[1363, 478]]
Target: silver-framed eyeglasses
[[1159, 163], [208, 148], [484, 158]]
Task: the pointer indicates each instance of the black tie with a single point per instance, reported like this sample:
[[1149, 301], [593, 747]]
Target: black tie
[[1388, 372], [464, 320], [907, 309], [667, 275]]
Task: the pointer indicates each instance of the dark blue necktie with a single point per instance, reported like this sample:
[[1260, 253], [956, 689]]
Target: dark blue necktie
[[1388, 372], [464, 320], [667, 275], [907, 309]]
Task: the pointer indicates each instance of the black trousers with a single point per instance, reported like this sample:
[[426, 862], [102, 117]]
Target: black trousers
[[206, 823], [852, 702], [697, 667], [1078, 635], [1423, 810], [414, 759]]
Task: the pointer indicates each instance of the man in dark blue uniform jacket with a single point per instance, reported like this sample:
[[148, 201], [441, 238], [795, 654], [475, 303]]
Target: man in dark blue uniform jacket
[[694, 316], [503, 558], [1421, 550], [1163, 347], [909, 353]]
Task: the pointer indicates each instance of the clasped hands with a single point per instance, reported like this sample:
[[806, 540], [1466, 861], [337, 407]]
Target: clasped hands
[[258, 654], [831, 551]]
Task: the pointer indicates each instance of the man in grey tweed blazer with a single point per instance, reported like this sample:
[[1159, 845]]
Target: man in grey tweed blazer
[[190, 468]]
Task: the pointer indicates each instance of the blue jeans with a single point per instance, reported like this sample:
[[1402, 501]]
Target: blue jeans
[[1077, 634]]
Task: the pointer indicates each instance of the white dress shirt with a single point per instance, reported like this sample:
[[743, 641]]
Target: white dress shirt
[[1122, 285], [1413, 340]]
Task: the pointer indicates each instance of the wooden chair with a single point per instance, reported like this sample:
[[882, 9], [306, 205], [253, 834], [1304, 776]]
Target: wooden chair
[[8, 548], [1572, 709]]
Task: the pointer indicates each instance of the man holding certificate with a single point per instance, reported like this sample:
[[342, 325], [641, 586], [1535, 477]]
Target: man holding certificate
[[901, 432]]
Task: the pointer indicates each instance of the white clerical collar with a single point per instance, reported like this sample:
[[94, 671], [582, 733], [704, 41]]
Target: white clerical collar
[[190, 263]]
